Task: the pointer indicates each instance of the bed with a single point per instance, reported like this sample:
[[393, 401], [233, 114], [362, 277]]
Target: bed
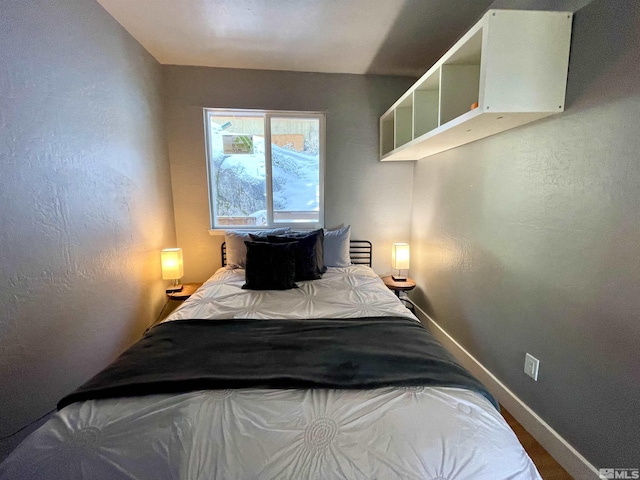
[[285, 428]]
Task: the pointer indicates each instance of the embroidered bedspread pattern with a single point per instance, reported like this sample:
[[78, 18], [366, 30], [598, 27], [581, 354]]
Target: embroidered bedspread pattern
[[406, 433], [349, 292]]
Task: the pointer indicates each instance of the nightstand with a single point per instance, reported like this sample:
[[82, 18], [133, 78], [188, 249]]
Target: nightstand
[[173, 300], [188, 289], [398, 287]]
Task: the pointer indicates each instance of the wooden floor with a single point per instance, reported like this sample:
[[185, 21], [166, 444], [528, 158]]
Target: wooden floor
[[547, 466]]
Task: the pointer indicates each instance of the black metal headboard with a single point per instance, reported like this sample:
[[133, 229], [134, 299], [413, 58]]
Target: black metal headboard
[[360, 251]]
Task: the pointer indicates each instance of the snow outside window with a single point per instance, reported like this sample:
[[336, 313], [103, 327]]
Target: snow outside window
[[265, 168]]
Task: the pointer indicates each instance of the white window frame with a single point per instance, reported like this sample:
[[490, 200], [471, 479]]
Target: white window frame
[[267, 114]]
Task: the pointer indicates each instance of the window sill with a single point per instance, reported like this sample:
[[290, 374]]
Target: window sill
[[215, 232]]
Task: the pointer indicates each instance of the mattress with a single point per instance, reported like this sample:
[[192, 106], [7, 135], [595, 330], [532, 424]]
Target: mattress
[[412, 432]]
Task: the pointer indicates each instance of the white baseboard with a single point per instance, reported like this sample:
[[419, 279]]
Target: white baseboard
[[567, 456]]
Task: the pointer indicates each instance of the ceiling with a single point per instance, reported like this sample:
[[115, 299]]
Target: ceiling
[[385, 37]]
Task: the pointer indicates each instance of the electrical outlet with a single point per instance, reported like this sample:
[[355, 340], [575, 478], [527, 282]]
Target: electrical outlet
[[531, 366]]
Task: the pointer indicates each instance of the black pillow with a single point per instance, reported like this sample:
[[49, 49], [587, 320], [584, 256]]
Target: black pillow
[[270, 266], [308, 251]]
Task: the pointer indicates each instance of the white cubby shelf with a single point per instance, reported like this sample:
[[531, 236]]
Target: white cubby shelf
[[512, 63]]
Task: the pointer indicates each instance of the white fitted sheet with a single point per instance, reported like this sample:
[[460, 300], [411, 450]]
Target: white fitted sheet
[[388, 433]]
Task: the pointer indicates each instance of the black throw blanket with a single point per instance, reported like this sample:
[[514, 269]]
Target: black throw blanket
[[359, 353]]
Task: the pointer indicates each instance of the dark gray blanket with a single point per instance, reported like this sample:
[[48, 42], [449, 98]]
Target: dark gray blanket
[[359, 353]]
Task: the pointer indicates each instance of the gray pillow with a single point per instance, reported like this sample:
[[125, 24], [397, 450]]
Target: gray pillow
[[236, 249], [336, 247]]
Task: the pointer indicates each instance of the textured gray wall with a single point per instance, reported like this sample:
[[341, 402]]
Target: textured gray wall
[[529, 241], [371, 196], [85, 200]]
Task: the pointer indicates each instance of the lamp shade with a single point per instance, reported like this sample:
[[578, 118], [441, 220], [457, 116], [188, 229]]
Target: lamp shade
[[172, 268], [400, 256]]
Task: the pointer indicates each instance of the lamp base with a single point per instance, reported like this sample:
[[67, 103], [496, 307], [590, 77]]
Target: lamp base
[[398, 278], [174, 288]]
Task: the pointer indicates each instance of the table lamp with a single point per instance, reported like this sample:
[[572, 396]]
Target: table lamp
[[400, 260], [172, 268]]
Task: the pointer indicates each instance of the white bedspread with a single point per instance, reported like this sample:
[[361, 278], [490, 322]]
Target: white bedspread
[[350, 292], [388, 433]]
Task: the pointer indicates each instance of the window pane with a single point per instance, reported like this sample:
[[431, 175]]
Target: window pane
[[295, 153], [236, 155]]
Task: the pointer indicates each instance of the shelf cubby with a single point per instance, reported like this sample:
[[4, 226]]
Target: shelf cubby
[[404, 122], [387, 129], [459, 90], [426, 101]]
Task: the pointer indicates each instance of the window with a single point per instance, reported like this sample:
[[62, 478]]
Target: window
[[265, 168]]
